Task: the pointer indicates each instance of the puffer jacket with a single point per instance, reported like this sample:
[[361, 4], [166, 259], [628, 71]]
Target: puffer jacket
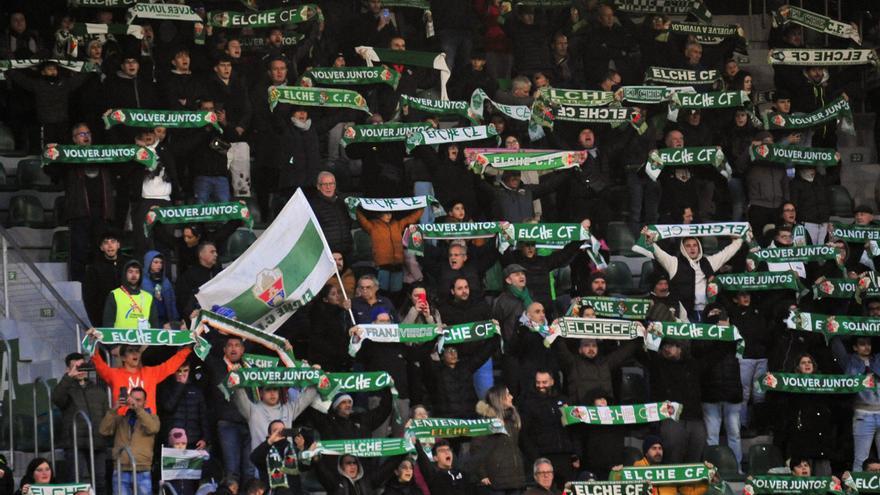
[[455, 391], [182, 405], [70, 397], [387, 237], [335, 222], [720, 378], [767, 183], [584, 376], [810, 199], [498, 457], [542, 430]]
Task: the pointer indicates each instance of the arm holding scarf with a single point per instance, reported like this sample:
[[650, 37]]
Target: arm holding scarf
[[721, 257], [667, 261], [242, 403], [373, 418]]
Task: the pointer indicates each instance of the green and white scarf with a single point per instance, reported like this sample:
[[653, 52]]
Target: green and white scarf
[[339, 76], [854, 233], [816, 22], [137, 336], [393, 333], [162, 12], [415, 4], [593, 328], [840, 288], [458, 108], [607, 488], [60, 489], [864, 482], [409, 57], [317, 97], [601, 115], [516, 112], [577, 97], [798, 383], [281, 464], [25, 63], [650, 95], [364, 381], [671, 474], [99, 154], [391, 204], [627, 308], [674, 7], [834, 325], [452, 428], [172, 119], [542, 234], [262, 19], [452, 135], [707, 34], [520, 160], [280, 378], [838, 110], [259, 361], [380, 133], [467, 332], [675, 231], [252, 43], [90, 29], [199, 213], [415, 235], [658, 330], [669, 75], [685, 157], [101, 4], [715, 99], [795, 155], [184, 464], [754, 281], [631, 414], [795, 254], [361, 447], [207, 321], [811, 57], [802, 485]]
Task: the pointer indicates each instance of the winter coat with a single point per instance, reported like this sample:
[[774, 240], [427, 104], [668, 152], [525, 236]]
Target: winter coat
[[122, 91], [542, 430], [52, 96], [810, 198], [584, 376], [455, 396], [77, 185], [604, 45], [140, 438], [70, 397], [442, 481], [182, 405], [364, 483], [507, 309], [331, 426], [498, 457], [174, 87], [677, 381], [452, 180], [164, 296], [188, 286], [210, 162], [538, 270], [102, 276], [807, 425], [719, 379], [328, 340], [234, 97], [754, 329], [583, 185], [766, 183], [222, 408], [332, 214], [531, 50], [395, 487], [867, 400], [462, 86], [383, 174], [515, 205], [302, 151], [387, 237], [453, 14]]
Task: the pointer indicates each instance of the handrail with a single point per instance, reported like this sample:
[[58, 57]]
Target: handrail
[[106, 354], [165, 484], [8, 363], [40, 379], [119, 469], [30, 264], [91, 447]]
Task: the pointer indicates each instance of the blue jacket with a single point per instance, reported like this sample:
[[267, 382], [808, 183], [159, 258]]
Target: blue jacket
[[166, 306], [868, 400]]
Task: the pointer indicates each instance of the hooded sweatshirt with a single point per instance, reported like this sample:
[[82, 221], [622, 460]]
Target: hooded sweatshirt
[[688, 277], [161, 289], [134, 290]]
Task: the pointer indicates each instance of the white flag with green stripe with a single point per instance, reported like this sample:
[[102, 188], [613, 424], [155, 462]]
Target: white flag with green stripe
[[182, 464], [278, 274]]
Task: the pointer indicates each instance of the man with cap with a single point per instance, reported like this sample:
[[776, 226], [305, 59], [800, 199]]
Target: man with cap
[[509, 306], [127, 306], [469, 78], [128, 88], [664, 307], [652, 447]]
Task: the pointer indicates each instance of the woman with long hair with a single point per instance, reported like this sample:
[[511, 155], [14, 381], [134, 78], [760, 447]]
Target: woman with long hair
[[499, 462], [38, 472]]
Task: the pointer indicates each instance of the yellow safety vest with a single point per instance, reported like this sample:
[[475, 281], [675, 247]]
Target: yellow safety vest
[[130, 308]]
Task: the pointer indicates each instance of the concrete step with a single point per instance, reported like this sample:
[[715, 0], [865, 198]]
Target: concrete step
[[861, 180]]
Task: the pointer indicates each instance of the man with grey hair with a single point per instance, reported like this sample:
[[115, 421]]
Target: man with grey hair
[[332, 213], [520, 92], [542, 471], [368, 299]]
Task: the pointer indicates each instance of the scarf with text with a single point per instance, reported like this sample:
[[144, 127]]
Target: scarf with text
[[840, 288], [262, 19], [854, 233], [340, 76], [380, 133], [281, 462], [798, 383], [256, 44], [607, 488], [199, 213], [656, 331], [670, 474], [361, 447], [452, 428], [816, 22], [811, 57], [452, 135], [521, 160], [677, 231], [685, 157], [864, 482], [172, 119], [415, 4], [393, 333], [392, 204], [707, 34], [411, 58], [714, 99], [98, 154], [650, 95], [669, 75], [458, 108], [88, 29], [631, 414], [259, 361], [781, 484], [364, 381], [60, 489], [207, 321], [833, 325], [317, 97], [479, 98], [101, 4], [593, 328], [674, 7], [182, 464], [754, 281], [169, 12], [280, 378], [542, 234], [627, 308], [467, 332], [576, 97], [795, 155], [415, 235], [837, 110], [26, 63], [136, 336], [795, 254]]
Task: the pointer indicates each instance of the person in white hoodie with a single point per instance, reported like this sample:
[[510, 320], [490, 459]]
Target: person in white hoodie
[[150, 188], [689, 271]]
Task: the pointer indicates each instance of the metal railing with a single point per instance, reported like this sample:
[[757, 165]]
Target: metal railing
[[8, 364], [39, 380], [91, 447], [165, 484], [134, 483]]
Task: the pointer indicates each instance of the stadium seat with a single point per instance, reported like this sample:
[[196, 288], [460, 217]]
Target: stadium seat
[[841, 202], [763, 457], [58, 211], [26, 210], [7, 141], [722, 457], [631, 455], [493, 280], [363, 248], [618, 277], [32, 176], [620, 240], [60, 249], [562, 280], [710, 245], [237, 244], [645, 276]]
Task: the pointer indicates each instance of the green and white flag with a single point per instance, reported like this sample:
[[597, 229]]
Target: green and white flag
[[280, 378], [278, 274], [838, 110], [137, 336], [715, 99], [172, 119], [341, 76], [577, 97], [658, 330], [753, 281], [783, 484], [380, 133], [458, 108], [627, 308], [453, 428], [317, 97], [409, 57], [479, 98], [795, 155], [671, 7], [593, 328], [99, 154], [854, 233], [677, 231], [864, 482], [101, 4], [415, 235], [162, 12], [90, 29], [811, 57], [834, 325], [207, 321], [260, 361], [631, 414], [680, 77], [795, 254], [816, 22], [451, 135], [686, 157], [60, 489], [264, 18], [542, 234], [840, 288], [707, 34], [799, 383], [198, 213], [361, 447], [180, 464], [390, 333], [467, 332], [650, 95], [506, 159], [391, 204], [668, 474], [607, 488]]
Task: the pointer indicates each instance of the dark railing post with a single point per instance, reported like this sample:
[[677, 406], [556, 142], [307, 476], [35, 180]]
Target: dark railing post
[[91, 447]]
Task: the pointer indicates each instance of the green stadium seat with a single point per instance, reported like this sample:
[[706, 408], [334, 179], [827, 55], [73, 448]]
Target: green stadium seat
[[237, 244], [26, 210], [493, 280], [60, 249], [723, 459], [645, 276], [620, 240], [618, 277], [764, 457], [841, 202], [32, 176]]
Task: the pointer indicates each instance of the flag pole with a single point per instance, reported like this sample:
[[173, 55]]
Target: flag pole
[[342, 288]]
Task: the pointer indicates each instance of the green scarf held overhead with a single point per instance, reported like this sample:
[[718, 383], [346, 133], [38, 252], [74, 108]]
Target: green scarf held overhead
[[593, 328], [25, 63], [380, 133], [136, 336], [263, 19], [60, 489], [840, 288], [392, 204], [99, 154], [816, 22], [280, 463], [260, 361], [468, 332], [172, 119], [632, 414], [393, 333], [356, 382], [479, 98], [657, 331], [101, 4], [607, 488], [453, 428], [88, 29], [681, 77], [412, 58], [707, 34], [207, 320], [505, 159], [837, 110], [686, 157], [854, 233], [834, 325], [674, 7], [795, 155], [541, 234], [811, 57], [798, 383], [200, 213], [415, 235], [280, 378], [864, 482], [754, 281], [650, 95], [182, 464], [801, 485], [627, 308], [341, 76], [415, 4], [676, 231], [452, 135], [317, 97], [576, 97], [795, 254], [715, 99], [669, 474], [458, 108], [361, 447], [258, 44], [599, 115], [162, 12]]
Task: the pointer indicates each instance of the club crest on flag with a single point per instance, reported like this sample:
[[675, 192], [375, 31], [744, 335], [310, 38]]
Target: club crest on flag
[[51, 152], [270, 287]]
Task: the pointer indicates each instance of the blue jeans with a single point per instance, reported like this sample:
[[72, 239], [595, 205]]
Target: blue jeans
[[211, 189], [457, 45], [424, 188], [713, 414], [737, 190], [144, 483], [749, 371], [483, 379], [235, 446], [644, 195], [390, 281], [866, 430]]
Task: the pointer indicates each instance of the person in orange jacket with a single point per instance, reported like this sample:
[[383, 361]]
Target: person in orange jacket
[[387, 236], [653, 449]]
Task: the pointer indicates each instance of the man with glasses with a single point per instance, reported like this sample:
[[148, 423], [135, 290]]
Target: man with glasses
[[542, 471], [332, 214], [368, 298]]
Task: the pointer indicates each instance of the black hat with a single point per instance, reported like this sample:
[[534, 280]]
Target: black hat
[[781, 94], [650, 441], [863, 208], [513, 268], [109, 234]]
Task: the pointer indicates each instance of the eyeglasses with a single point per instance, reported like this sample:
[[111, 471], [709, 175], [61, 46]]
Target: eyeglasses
[[83, 134], [544, 473], [323, 184]]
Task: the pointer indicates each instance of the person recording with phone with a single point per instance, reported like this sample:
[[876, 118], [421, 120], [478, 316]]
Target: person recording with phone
[[135, 426], [276, 458]]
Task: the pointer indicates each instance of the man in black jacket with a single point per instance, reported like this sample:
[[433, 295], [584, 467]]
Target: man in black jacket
[[332, 214], [542, 432], [103, 275], [127, 88], [188, 284], [441, 477], [232, 429], [266, 133], [538, 268], [182, 405], [462, 307], [758, 337], [209, 172]]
